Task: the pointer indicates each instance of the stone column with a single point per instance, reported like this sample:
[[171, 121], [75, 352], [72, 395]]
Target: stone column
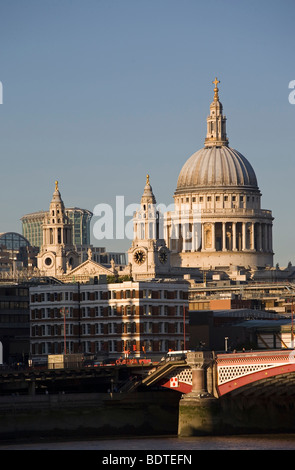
[[203, 238], [243, 236], [213, 237], [252, 236], [270, 237], [266, 238], [234, 236], [193, 242], [223, 236], [259, 248]]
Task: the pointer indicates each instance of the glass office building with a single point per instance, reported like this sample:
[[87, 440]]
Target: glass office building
[[13, 241], [80, 218], [32, 227]]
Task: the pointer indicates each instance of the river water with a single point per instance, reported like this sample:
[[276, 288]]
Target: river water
[[170, 444]]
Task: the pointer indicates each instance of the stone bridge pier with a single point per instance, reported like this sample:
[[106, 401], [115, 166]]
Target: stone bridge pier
[[198, 408], [202, 366]]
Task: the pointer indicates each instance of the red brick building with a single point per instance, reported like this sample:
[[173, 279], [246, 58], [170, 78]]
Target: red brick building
[[138, 318]]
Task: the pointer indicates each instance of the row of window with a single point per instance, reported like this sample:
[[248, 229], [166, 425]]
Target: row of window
[[109, 328], [13, 305], [104, 295], [111, 310], [218, 198], [11, 318], [111, 346]]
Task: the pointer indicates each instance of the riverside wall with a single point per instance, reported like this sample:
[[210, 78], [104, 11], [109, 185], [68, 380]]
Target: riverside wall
[[236, 415], [88, 414], [154, 413]]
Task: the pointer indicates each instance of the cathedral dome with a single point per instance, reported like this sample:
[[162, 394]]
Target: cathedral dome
[[216, 167]]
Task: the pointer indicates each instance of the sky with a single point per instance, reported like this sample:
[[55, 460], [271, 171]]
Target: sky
[[98, 93]]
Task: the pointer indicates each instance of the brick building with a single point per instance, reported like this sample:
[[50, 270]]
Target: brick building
[[144, 318]]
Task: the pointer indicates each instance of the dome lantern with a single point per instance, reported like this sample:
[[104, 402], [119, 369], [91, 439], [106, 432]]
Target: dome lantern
[[216, 122]]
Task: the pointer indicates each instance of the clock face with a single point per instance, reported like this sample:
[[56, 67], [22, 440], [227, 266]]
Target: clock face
[[139, 256], [163, 256]]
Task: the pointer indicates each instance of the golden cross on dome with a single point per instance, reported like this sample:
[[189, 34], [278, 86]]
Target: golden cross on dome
[[216, 81], [216, 97], [147, 179], [56, 186]]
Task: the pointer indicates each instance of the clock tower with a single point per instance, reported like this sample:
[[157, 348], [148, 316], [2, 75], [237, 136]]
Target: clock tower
[[148, 256], [58, 254]]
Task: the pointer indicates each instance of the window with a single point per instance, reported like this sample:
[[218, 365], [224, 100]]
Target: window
[[147, 310], [112, 346], [98, 328]]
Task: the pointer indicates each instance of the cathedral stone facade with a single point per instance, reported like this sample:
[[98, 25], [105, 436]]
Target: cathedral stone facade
[[217, 222]]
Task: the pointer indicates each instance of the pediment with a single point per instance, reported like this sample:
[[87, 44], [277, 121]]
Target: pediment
[[89, 268]]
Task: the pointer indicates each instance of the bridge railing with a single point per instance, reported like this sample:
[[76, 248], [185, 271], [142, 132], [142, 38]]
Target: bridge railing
[[278, 355]]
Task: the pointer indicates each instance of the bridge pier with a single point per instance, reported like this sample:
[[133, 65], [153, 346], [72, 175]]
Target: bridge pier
[[198, 408]]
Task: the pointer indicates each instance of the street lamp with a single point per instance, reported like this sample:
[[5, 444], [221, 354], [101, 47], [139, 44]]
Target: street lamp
[[225, 340]]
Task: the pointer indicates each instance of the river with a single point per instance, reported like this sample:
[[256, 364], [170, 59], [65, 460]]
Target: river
[[171, 444]]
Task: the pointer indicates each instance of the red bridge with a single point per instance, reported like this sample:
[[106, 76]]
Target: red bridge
[[206, 372]]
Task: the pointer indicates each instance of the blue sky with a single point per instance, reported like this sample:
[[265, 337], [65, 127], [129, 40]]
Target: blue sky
[[97, 93]]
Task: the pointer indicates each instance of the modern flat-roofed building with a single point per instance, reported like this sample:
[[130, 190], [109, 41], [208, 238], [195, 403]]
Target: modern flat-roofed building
[[14, 323]]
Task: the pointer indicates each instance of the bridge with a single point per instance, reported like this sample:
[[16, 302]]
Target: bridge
[[206, 372], [230, 393]]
